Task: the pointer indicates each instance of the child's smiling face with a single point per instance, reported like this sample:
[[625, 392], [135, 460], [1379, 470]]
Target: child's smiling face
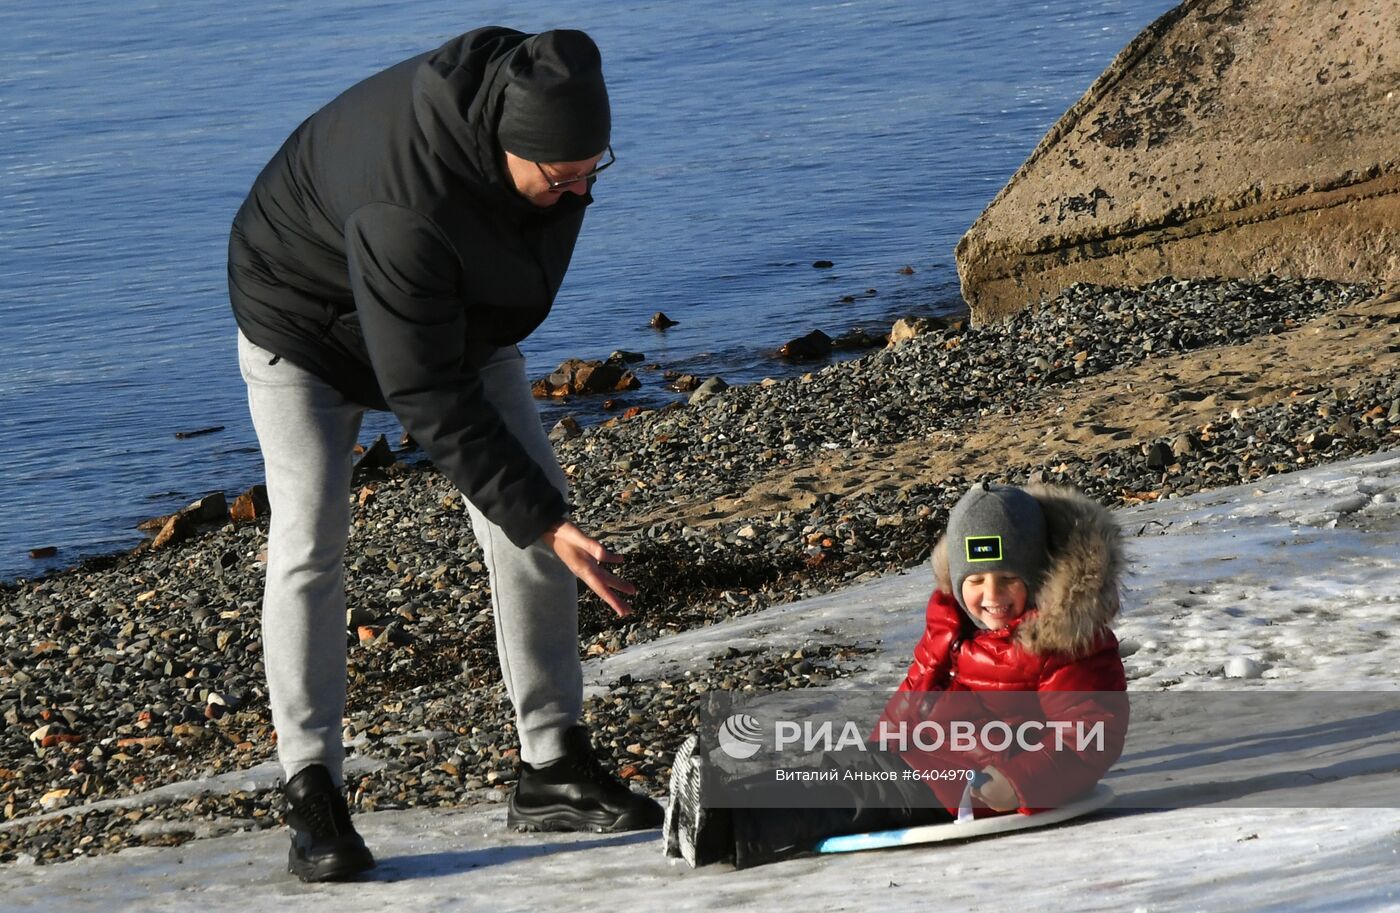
[[994, 598]]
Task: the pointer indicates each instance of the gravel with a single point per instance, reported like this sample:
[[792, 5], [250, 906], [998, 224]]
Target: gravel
[[134, 671]]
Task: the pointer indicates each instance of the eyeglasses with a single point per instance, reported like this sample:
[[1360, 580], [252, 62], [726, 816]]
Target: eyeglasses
[[569, 182]]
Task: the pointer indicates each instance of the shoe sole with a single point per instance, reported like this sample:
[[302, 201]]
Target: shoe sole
[[689, 815], [566, 819], [670, 825], [328, 870]]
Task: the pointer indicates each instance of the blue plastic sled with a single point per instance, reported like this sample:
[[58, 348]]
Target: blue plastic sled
[[968, 830]]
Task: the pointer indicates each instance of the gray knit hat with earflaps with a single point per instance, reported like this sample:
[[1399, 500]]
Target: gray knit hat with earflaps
[[996, 528]]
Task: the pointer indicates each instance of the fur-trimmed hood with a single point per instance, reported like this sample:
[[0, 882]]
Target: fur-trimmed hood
[[1078, 596]]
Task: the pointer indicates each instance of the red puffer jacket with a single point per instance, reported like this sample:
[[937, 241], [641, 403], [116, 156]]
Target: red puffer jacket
[[1062, 649]]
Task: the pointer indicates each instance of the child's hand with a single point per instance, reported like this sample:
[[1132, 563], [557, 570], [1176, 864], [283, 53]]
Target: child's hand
[[997, 793]]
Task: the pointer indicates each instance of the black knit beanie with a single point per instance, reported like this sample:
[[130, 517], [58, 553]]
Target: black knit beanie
[[556, 105]]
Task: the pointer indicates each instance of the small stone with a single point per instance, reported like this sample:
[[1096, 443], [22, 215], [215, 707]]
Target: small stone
[[906, 328], [1160, 456], [708, 389], [565, 429], [856, 338], [660, 321], [1184, 445], [1243, 667], [54, 798], [822, 264]]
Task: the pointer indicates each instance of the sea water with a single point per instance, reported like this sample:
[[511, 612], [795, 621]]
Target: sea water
[[753, 138]]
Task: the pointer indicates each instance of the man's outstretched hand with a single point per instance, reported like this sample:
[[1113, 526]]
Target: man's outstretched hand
[[586, 557]]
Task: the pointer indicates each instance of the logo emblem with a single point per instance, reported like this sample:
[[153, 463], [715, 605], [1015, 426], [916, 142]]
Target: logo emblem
[[740, 736], [984, 548]]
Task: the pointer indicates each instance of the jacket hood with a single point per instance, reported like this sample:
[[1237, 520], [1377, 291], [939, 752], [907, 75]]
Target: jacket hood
[[1078, 595], [458, 97]]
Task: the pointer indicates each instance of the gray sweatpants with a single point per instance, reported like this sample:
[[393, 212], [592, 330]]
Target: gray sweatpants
[[307, 430]]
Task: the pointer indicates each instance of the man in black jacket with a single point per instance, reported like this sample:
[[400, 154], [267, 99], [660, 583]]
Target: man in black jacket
[[390, 256]]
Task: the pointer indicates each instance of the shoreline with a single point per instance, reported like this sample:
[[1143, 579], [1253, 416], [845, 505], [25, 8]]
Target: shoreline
[[760, 495], [100, 549]]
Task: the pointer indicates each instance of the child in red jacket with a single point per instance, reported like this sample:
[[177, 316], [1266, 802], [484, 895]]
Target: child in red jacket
[[1027, 583]]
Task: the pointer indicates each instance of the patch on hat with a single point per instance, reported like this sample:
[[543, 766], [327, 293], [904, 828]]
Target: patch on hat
[[983, 548]]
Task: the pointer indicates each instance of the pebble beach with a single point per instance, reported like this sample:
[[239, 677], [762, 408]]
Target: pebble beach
[[133, 672]]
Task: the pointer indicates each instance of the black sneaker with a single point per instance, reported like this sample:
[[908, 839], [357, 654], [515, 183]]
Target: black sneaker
[[699, 835], [576, 794], [325, 846], [681, 775]]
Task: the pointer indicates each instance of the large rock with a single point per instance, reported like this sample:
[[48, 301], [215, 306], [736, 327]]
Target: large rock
[[1230, 138], [181, 525], [377, 456], [815, 344], [250, 505], [576, 376]]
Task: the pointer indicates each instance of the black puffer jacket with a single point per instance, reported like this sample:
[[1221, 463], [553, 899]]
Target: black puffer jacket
[[384, 249]]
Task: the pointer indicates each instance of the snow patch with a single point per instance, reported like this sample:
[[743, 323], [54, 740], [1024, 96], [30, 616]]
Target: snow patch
[[1293, 578]]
